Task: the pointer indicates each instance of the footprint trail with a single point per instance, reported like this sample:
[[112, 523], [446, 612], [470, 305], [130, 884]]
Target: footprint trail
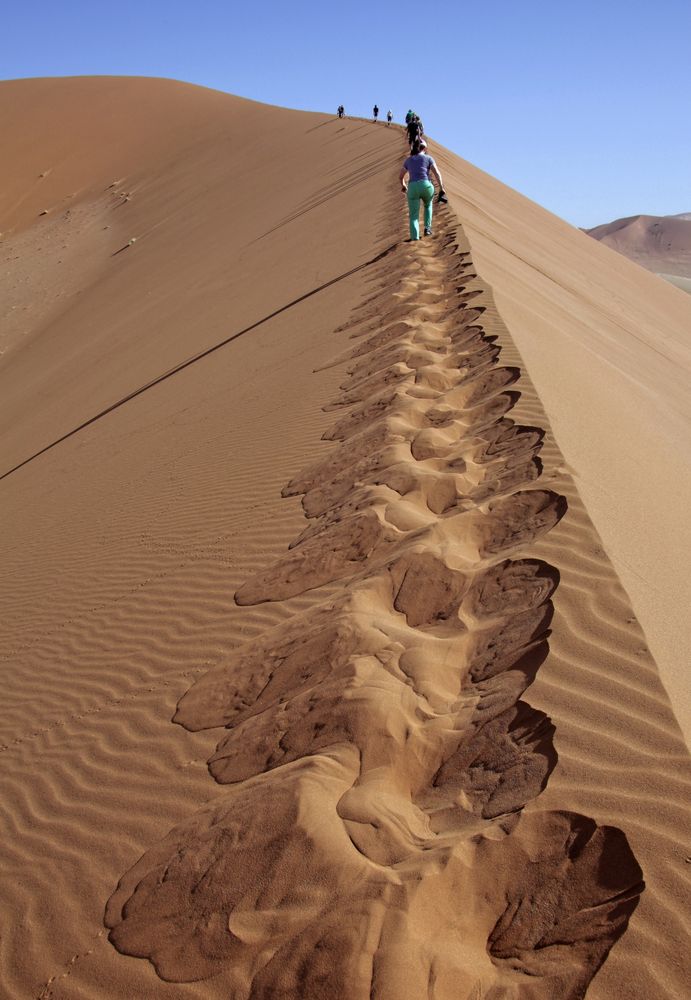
[[378, 836]]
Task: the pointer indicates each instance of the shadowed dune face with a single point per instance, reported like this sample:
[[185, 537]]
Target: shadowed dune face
[[429, 678], [607, 348]]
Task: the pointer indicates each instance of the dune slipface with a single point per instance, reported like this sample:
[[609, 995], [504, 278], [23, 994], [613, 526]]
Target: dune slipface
[[345, 541]]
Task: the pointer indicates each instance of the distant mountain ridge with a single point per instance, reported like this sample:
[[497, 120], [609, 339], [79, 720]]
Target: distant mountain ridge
[[660, 243]]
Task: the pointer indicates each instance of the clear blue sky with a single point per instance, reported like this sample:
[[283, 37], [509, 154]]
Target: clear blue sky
[[582, 106]]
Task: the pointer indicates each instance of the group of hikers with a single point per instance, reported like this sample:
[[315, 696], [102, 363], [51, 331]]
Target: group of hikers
[[418, 166], [419, 188], [412, 121], [375, 113], [413, 127]]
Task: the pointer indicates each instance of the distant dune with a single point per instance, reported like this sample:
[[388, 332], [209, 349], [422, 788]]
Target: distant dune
[[675, 279], [345, 580], [660, 243]]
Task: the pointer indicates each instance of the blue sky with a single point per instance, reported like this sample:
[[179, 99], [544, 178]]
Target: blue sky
[[582, 106]]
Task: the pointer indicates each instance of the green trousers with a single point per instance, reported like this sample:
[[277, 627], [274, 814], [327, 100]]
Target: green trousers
[[419, 191]]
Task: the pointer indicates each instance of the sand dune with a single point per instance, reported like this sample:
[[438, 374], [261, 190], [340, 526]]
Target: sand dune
[[350, 543], [660, 243], [674, 279]]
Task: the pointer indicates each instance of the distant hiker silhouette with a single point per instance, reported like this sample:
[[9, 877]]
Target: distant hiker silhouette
[[341, 110], [419, 188], [389, 117], [375, 112]]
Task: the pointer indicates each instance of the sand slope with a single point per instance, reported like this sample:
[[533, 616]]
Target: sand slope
[[443, 752], [608, 349]]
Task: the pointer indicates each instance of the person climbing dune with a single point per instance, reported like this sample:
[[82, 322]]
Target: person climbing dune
[[414, 129], [419, 165], [375, 112]]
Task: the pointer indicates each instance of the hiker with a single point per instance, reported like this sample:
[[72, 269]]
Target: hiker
[[409, 117], [412, 129], [375, 112], [389, 117], [341, 110], [419, 188], [415, 130]]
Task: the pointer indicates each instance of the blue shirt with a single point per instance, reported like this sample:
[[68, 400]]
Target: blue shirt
[[418, 167]]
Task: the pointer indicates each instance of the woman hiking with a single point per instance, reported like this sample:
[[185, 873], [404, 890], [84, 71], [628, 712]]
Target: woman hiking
[[419, 166]]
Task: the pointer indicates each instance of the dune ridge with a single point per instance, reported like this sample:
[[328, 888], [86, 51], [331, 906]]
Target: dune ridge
[[396, 705]]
